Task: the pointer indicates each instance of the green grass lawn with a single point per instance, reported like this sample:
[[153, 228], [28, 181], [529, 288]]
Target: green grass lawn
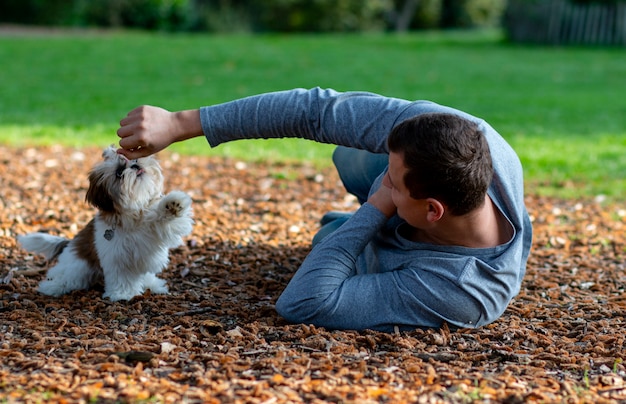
[[562, 109]]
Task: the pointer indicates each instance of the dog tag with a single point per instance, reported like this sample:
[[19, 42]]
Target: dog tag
[[108, 234]]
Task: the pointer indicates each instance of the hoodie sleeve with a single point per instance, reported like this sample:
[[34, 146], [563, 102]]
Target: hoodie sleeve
[[354, 119]]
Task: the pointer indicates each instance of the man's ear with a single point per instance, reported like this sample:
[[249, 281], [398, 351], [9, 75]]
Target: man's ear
[[435, 210]]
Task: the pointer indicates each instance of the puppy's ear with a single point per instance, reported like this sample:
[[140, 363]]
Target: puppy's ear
[[97, 194], [109, 153]]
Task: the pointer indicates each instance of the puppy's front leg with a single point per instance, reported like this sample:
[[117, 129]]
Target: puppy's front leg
[[176, 217]]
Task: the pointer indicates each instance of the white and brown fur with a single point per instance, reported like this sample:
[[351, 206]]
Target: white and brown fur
[[127, 243]]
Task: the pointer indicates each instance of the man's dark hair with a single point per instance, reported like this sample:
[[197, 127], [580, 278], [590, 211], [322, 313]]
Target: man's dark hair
[[447, 158]]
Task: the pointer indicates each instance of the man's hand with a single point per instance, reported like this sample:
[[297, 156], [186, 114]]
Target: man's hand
[[147, 130], [381, 199]]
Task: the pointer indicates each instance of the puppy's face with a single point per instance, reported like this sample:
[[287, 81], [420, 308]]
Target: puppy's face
[[118, 184]]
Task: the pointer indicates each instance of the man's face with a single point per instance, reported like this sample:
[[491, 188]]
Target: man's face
[[410, 209]]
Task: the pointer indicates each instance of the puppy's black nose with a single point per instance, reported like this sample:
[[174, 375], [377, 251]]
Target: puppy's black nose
[[135, 167]]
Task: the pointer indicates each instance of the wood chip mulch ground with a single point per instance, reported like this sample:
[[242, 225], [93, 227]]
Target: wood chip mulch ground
[[216, 337]]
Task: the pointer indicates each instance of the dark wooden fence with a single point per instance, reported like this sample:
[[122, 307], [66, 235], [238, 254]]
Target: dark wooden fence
[[561, 22]]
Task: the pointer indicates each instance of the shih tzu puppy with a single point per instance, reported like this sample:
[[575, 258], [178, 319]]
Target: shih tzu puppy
[[127, 243]]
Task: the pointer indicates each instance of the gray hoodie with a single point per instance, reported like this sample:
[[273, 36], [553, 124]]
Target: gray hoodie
[[365, 275]]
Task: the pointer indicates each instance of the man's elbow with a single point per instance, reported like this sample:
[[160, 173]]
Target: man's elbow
[[297, 310]]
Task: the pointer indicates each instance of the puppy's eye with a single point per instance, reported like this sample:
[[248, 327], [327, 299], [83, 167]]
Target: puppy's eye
[[120, 171]]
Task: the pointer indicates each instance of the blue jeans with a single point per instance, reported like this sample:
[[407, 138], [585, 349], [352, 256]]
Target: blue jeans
[[357, 170]]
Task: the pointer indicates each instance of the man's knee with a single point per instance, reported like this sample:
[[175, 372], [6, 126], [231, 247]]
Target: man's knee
[[358, 169]]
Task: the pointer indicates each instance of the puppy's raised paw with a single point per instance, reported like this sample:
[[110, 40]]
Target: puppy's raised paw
[[174, 208], [176, 203]]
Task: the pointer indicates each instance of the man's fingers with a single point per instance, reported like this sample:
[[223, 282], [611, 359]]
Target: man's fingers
[[386, 181], [131, 121], [124, 131], [128, 142], [135, 153]]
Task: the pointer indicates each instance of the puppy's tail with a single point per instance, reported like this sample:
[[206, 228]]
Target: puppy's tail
[[42, 243]]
